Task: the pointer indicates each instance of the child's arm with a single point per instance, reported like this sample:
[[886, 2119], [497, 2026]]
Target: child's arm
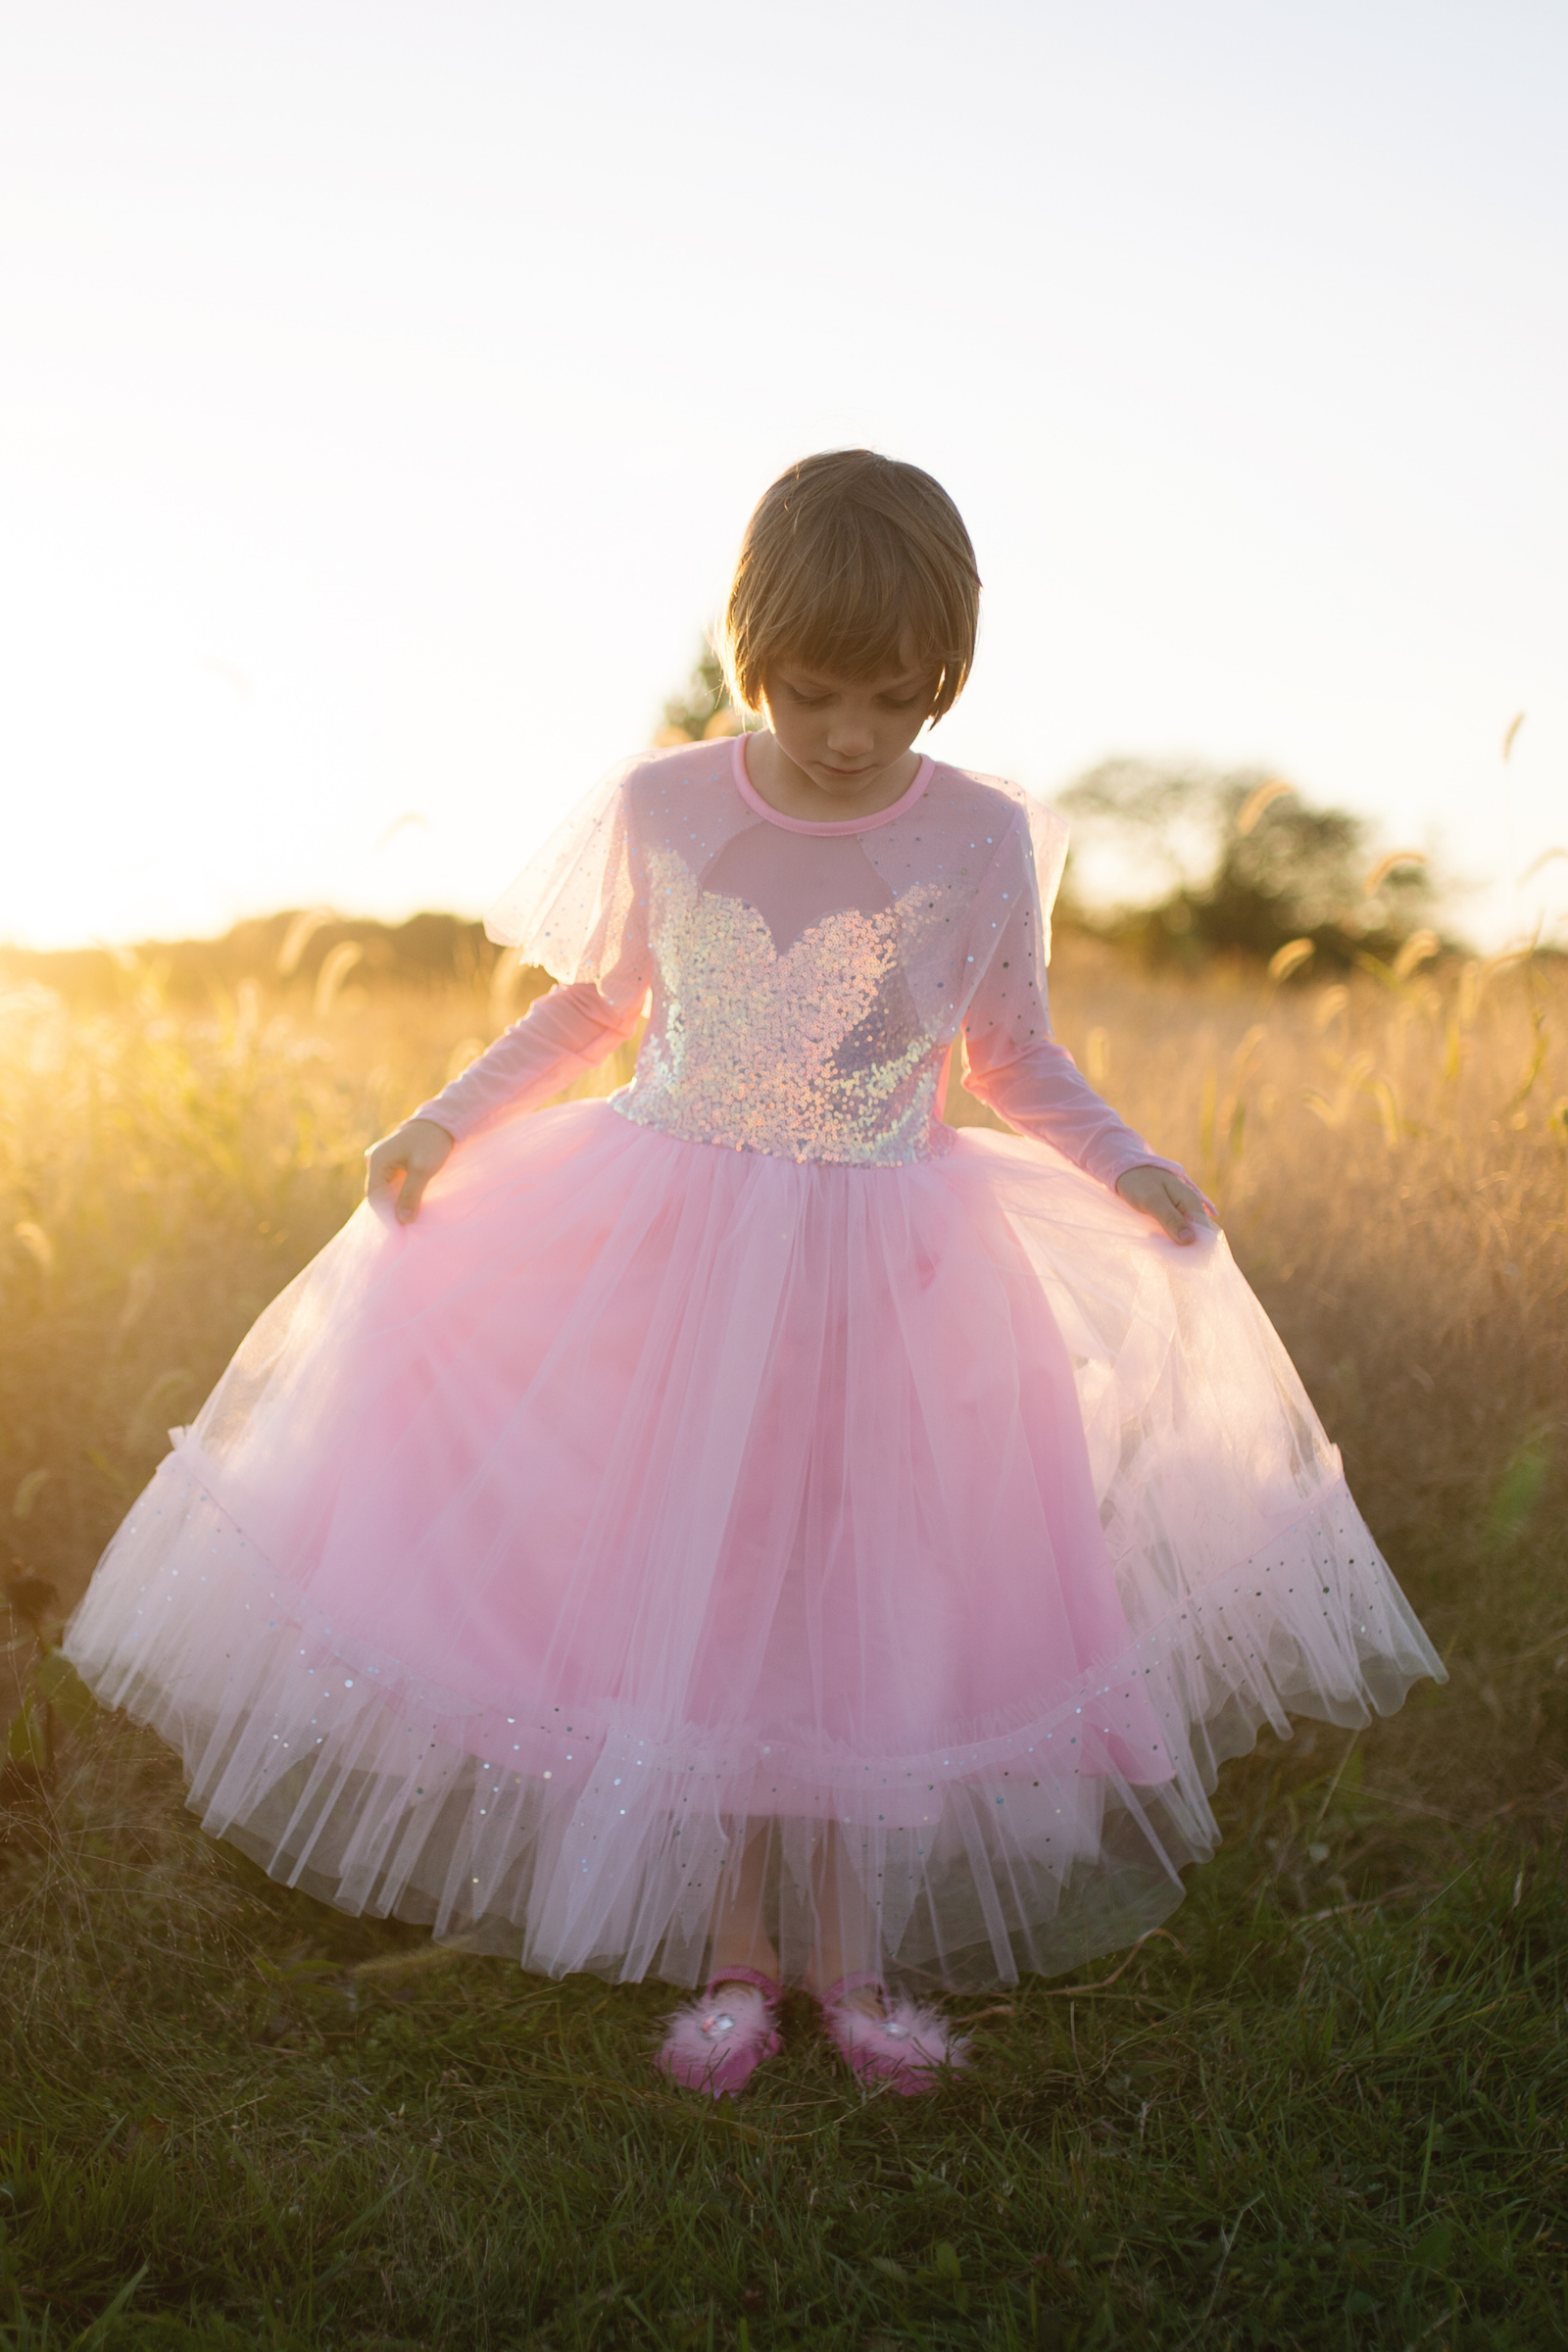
[[1016, 1066], [1040, 1091], [561, 1035]]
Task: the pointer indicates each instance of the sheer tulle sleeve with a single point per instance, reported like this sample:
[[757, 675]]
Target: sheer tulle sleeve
[[566, 1034], [578, 911], [576, 907], [1012, 1061]]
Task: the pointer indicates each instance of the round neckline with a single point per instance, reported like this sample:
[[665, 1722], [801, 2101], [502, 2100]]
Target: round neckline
[[839, 824]]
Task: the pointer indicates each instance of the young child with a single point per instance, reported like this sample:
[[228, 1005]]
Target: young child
[[742, 1529]]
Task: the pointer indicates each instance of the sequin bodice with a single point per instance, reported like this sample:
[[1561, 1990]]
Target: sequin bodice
[[805, 982], [813, 1052]]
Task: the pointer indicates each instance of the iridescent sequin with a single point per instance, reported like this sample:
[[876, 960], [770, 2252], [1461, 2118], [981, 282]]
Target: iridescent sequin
[[815, 1054]]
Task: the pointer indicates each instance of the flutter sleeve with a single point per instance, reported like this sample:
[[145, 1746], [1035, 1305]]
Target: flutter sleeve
[[1012, 1061], [576, 909]]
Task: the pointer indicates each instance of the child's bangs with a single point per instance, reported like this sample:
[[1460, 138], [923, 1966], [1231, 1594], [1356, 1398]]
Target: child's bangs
[[868, 608], [854, 639], [853, 566]]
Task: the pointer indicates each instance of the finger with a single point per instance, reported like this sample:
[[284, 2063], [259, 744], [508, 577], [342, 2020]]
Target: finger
[[379, 1171], [409, 1197], [1199, 1204], [1175, 1214]]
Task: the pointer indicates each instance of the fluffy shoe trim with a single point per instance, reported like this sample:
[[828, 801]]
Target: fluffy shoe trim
[[716, 2042], [906, 2044]]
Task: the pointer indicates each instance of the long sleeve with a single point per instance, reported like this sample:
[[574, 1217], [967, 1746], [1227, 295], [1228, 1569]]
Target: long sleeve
[[1042, 1092], [1015, 1063], [563, 1035]]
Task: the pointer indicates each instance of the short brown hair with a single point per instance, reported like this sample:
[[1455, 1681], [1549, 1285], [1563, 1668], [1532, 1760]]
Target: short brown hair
[[847, 555]]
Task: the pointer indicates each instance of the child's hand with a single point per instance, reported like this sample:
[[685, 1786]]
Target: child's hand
[[1176, 1205], [414, 1153]]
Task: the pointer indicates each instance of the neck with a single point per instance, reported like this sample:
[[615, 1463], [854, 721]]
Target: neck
[[783, 785]]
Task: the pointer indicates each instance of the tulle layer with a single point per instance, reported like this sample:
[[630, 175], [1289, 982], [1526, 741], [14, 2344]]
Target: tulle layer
[[896, 1550]]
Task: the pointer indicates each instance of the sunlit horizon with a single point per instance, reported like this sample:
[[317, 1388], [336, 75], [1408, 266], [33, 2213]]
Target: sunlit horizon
[[382, 393]]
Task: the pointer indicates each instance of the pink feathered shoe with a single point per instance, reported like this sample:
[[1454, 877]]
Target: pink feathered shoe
[[906, 2046], [716, 2042]]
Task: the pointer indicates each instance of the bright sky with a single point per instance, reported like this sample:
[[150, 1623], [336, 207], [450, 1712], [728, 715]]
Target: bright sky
[[383, 388]]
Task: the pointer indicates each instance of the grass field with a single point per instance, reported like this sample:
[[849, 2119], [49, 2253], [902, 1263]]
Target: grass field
[[1330, 2109]]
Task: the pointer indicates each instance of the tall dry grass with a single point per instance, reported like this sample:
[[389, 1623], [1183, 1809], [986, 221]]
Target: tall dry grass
[[163, 1173], [1329, 2115], [1389, 1157]]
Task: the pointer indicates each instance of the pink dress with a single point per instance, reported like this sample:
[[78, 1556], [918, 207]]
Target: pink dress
[[749, 1466]]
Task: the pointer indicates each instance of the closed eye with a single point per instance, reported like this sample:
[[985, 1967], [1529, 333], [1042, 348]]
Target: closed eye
[[805, 700]]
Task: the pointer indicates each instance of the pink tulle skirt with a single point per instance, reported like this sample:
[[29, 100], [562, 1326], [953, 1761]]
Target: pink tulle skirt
[[651, 1525]]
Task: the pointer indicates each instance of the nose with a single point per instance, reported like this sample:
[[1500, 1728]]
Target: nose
[[851, 734]]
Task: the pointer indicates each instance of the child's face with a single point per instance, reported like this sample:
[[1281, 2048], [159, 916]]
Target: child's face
[[846, 733]]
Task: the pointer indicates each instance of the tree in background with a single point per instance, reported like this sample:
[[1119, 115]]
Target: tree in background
[[1198, 862], [703, 711], [1182, 863]]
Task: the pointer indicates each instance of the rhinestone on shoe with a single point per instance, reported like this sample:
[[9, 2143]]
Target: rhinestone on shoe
[[715, 2046], [874, 2048]]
